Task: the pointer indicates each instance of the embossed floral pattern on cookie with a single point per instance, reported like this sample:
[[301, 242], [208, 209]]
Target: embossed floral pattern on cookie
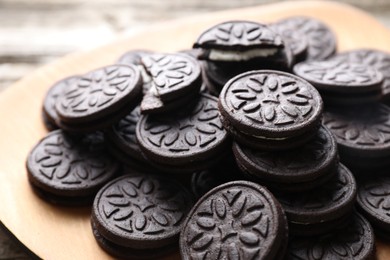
[[236, 220], [94, 92], [140, 207], [270, 100], [184, 133], [71, 163]]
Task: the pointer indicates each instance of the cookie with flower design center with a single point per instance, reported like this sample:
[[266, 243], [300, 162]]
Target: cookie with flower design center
[[173, 75], [377, 59], [100, 98], [340, 76], [354, 241], [270, 106], [140, 214], [362, 133], [236, 220], [189, 135], [70, 169]]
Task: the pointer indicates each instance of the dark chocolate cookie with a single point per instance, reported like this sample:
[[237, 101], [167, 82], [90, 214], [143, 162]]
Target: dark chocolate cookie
[[321, 40], [374, 199], [187, 136], [140, 214], [316, 158], [338, 76], [236, 220], [49, 114], [99, 98], [380, 60], [362, 133], [354, 241], [238, 35], [333, 200], [70, 169], [173, 75], [270, 104]]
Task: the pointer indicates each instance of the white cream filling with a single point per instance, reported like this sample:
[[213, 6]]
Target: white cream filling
[[268, 138], [223, 55]]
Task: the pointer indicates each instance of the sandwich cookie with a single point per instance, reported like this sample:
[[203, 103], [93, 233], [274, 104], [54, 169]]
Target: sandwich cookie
[[270, 110], [99, 98], [69, 170], [140, 216], [236, 220]]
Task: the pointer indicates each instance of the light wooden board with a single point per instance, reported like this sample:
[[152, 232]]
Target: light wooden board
[[62, 233]]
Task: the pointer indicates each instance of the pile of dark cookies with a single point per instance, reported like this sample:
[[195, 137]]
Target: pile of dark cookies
[[259, 143]]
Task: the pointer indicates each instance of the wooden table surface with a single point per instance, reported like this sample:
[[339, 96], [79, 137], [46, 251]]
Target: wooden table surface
[[33, 33]]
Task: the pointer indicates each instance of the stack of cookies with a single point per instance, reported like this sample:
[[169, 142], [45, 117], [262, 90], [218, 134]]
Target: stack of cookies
[[229, 121], [354, 84]]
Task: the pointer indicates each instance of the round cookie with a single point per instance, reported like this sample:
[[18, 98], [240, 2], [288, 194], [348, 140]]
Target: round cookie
[[362, 134], [354, 241], [270, 106], [321, 40], [373, 199], [310, 162], [380, 60], [237, 219], [49, 112], [139, 215], [341, 81], [190, 135], [308, 212], [100, 98], [69, 169], [238, 41]]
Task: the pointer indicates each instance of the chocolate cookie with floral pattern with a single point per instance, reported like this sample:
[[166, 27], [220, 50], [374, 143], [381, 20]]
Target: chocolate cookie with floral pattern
[[378, 59], [362, 134], [99, 98], [139, 216], [342, 81], [354, 241], [270, 107], [192, 135], [236, 220], [68, 169]]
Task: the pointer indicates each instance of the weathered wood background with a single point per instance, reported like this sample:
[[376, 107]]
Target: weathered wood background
[[35, 32]]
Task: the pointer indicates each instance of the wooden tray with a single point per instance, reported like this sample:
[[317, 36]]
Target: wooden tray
[[63, 233]]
